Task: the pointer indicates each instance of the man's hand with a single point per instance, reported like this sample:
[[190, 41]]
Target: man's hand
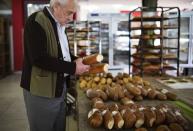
[[80, 67]]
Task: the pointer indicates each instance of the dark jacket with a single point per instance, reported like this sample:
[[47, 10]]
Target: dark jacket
[[35, 53]]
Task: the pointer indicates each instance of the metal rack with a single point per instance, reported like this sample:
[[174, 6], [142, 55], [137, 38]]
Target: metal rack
[[84, 38], [147, 54]]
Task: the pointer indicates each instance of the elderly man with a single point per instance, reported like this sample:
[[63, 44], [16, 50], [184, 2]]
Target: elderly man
[[47, 65]]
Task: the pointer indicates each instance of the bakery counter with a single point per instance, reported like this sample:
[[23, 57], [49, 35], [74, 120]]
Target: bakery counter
[[84, 106], [184, 90]]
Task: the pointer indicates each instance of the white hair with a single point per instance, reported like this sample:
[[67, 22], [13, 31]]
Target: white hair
[[62, 2]]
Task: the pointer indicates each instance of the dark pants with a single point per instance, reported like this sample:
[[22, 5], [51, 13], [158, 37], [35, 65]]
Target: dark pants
[[45, 114]]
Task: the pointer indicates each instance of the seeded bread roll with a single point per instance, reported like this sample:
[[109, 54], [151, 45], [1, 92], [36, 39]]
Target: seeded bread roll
[[180, 119], [92, 93], [141, 129], [146, 83], [137, 80], [112, 93], [170, 117], [108, 119], [138, 98], [160, 116], [150, 117], [99, 105], [96, 79], [102, 95], [170, 96], [175, 127], [151, 94], [92, 59], [122, 107], [95, 100], [126, 101], [128, 94], [120, 90], [103, 80], [163, 128], [95, 118], [109, 81], [113, 107], [133, 89], [129, 118], [144, 92], [161, 96], [140, 118], [119, 122]]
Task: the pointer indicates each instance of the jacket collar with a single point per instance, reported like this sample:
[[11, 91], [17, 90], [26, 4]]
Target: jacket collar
[[47, 13]]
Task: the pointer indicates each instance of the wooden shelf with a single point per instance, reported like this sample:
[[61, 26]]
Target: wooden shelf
[[149, 37], [154, 28], [154, 18], [156, 48]]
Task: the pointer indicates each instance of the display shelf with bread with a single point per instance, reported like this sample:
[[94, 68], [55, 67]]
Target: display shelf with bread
[[152, 18], [123, 103], [154, 27], [84, 37], [150, 29], [154, 47]]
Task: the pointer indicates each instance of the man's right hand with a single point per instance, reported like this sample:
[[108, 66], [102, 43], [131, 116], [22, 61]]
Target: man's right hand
[[80, 67]]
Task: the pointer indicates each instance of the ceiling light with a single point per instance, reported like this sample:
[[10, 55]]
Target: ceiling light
[[192, 2], [29, 5]]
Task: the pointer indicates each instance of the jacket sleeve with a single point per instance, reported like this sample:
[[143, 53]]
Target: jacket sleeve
[[73, 57], [35, 47]]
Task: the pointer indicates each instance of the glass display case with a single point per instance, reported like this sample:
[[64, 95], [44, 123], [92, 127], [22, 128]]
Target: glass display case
[[114, 39], [186, 39]]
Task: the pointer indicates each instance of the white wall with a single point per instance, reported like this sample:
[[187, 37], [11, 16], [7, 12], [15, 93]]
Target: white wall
[[115, 6]]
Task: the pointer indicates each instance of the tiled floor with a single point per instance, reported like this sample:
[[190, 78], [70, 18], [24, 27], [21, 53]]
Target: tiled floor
[[12, 109]]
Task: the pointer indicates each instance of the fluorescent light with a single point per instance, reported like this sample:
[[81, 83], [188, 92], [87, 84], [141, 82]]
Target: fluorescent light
[[30, 5], [117, 6], [192, 2]]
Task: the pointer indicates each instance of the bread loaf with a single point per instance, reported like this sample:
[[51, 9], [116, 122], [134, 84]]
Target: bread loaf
[[92, 59], [141, 129], [119, 122], [175, 127], [126, 101], [95, 118], [162, 128], [150, 117], [140, 118], [108, 119], [170, 117], [160, 116], [113, 107], [102, 95], [91, 93], [151, 94], [161, 96], [129, 118], [98, 68], [180, 119], [133, 89]]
